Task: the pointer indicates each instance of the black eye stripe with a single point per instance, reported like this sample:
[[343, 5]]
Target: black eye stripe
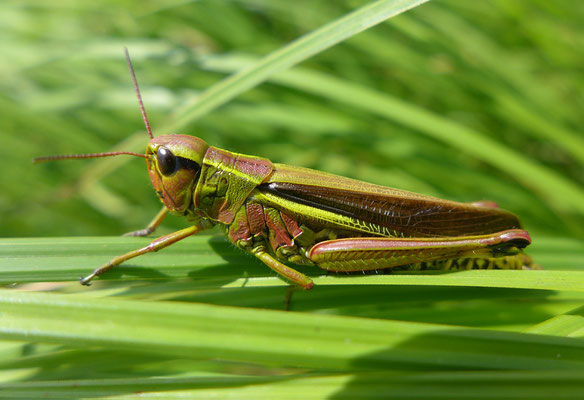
[[185, 163]]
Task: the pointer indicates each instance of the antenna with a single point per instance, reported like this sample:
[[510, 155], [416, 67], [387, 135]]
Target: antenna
[[110, 153], [91, 155], [140, 102]]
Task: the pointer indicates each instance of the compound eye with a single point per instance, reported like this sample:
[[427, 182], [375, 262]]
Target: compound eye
[[166, 161]]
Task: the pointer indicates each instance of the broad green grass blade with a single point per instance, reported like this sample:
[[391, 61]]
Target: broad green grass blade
[[273, 337], [287, 56], [212, 261]]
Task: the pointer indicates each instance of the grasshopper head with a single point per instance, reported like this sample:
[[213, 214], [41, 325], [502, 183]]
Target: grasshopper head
[[174, 165]]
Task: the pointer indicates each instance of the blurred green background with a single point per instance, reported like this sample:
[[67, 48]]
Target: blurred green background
[[491, 95]]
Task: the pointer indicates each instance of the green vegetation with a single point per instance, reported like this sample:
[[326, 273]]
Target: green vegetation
[[461, 100]]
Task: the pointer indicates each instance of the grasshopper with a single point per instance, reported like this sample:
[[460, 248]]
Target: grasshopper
[[286, 214]]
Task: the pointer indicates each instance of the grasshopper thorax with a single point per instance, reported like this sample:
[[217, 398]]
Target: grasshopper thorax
[[174, 165]]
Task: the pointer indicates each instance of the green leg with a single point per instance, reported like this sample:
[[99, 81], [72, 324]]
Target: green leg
[[290, 274], [152, 225], [156, 245], [241, 231]]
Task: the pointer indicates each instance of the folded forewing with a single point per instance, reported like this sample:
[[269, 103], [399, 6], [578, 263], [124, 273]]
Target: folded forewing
[[409, 214]]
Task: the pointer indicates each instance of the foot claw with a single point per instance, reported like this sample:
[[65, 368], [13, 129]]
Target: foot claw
[[141, 233], [85, 281]]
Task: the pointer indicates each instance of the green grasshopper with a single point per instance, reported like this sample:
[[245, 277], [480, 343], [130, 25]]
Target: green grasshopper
[[281, 213]]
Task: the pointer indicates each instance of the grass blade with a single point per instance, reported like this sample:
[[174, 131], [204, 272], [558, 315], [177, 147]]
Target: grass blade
[[212, 262], [562, 193], [532, 385]]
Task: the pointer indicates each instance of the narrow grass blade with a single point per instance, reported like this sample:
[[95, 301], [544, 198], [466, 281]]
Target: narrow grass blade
[[558, 190], [569, 324], [533, 385], [287, 56]]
